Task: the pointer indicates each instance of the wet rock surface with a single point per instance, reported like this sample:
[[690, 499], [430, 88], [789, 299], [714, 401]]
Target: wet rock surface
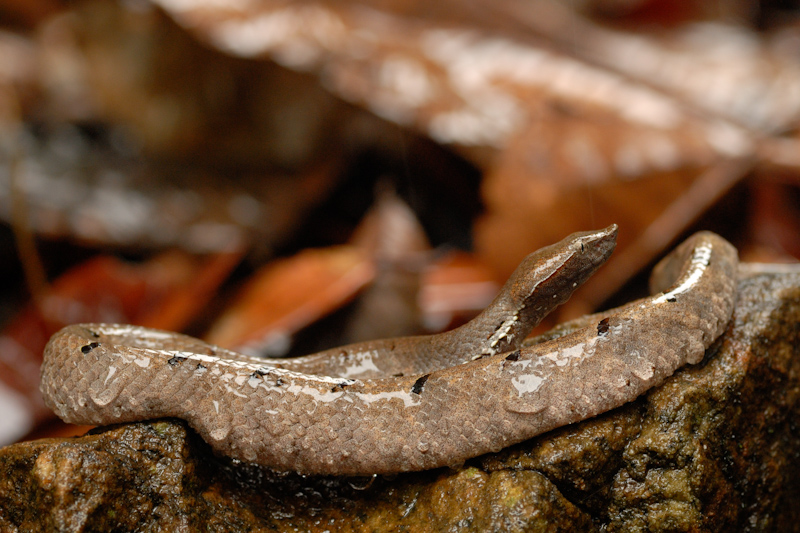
[[715, 448]]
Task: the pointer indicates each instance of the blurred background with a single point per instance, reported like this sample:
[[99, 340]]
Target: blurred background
[[279, 177]]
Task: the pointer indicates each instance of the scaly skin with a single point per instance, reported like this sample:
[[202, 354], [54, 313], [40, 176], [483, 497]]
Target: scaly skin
[[461, 394]]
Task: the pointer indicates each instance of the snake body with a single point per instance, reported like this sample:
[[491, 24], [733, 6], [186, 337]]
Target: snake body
[[410, 403]]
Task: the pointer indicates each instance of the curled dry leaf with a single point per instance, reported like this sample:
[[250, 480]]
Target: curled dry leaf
[[394, 239], [473, 83]]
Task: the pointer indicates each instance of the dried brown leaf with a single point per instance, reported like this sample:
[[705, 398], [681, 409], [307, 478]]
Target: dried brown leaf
[[288, 294]]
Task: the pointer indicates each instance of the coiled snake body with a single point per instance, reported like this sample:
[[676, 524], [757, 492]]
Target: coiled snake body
[[409, 403]]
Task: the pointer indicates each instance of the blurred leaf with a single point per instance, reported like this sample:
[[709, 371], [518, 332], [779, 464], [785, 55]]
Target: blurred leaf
[[287, 295], [455, 288]]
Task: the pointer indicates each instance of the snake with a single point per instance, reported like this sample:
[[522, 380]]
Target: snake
[[409, 403]]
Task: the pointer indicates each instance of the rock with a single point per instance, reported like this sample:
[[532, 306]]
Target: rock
[[713, 449]]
